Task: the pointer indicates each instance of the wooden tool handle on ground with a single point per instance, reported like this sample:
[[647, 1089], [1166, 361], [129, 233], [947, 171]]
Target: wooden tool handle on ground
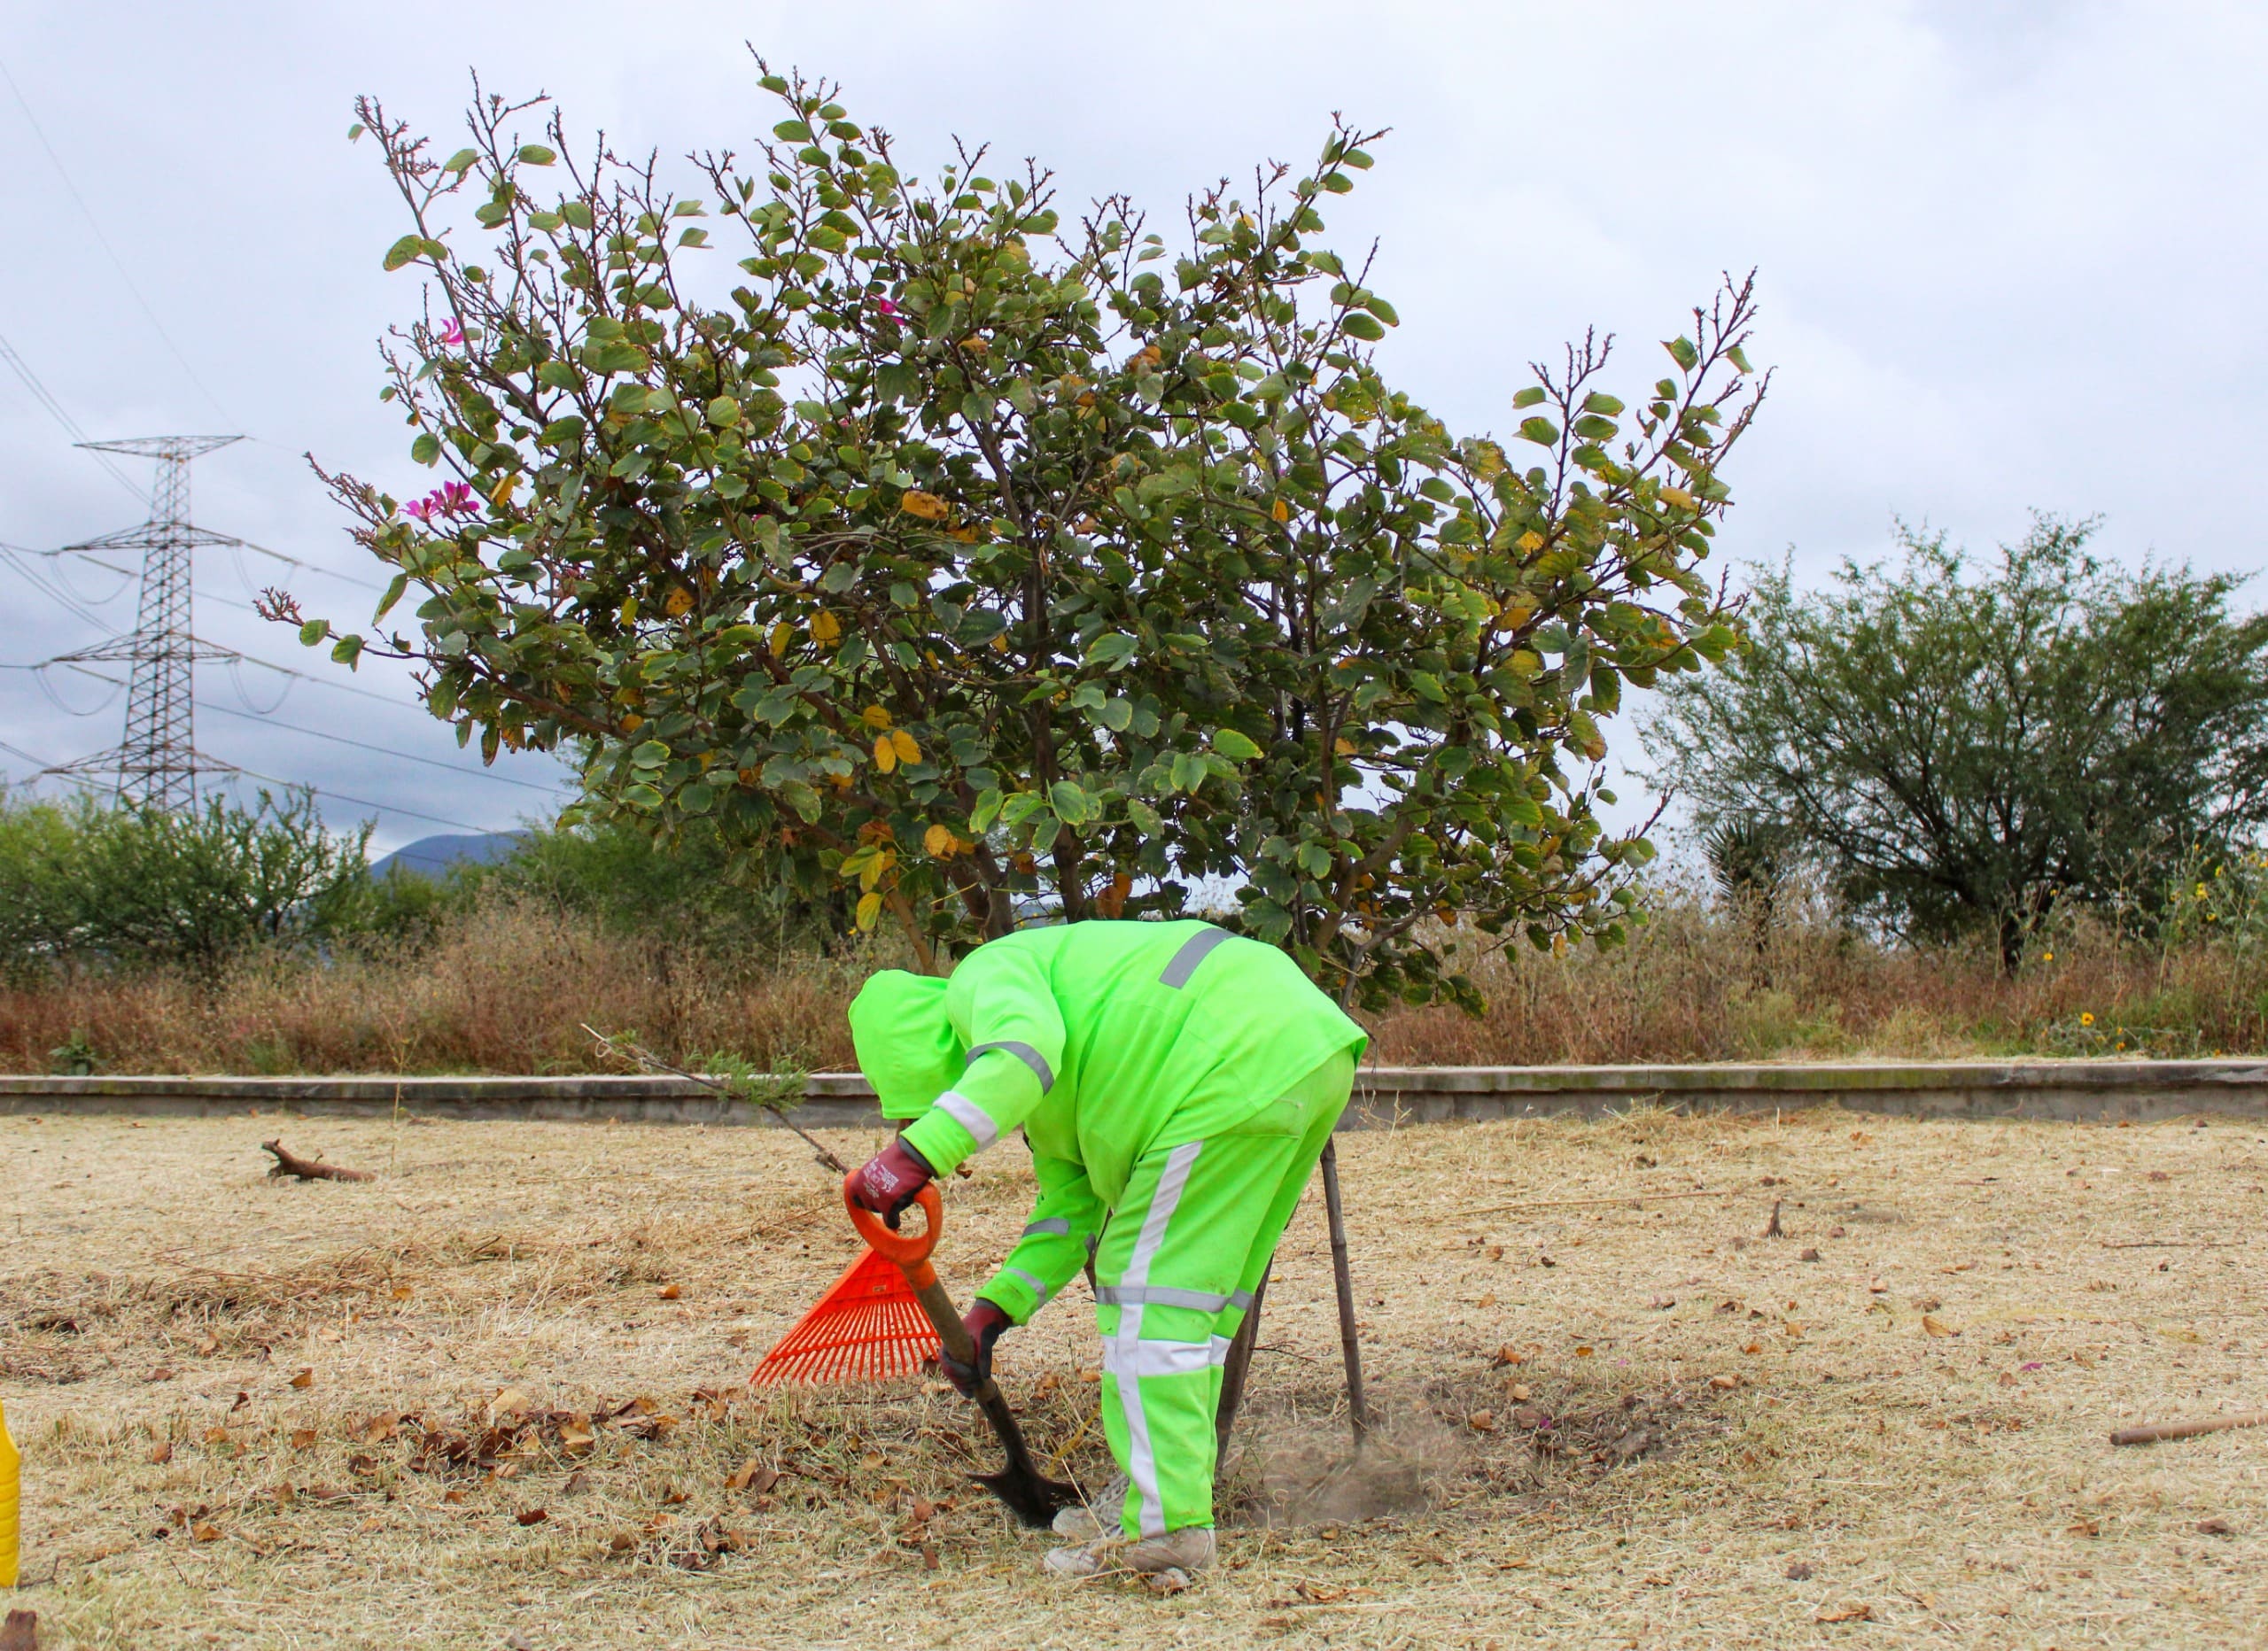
[[2154, 1431]]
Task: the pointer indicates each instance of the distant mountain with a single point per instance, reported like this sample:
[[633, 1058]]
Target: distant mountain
[[432, 856]]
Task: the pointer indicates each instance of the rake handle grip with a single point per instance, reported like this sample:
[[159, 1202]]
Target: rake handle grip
[[908, 1250]]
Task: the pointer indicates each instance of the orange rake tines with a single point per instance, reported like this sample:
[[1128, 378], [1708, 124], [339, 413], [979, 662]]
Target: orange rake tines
[[868, 1326]]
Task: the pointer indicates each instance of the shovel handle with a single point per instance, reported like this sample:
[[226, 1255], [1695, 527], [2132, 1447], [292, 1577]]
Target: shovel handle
[[909, 1251]]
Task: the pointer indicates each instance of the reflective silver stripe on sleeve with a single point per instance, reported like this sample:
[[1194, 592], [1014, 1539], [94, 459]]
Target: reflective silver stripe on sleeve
[[1157, 1296], [1193, 952], [1023, 1052], [1054, 1224], [970, 1117], [1242, 1300], [1039, 1289]]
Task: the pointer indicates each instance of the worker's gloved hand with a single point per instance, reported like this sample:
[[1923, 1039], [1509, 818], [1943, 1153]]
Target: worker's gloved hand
[[984, 1322], [891, 1180]]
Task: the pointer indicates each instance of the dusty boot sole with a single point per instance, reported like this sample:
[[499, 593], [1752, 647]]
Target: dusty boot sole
[[1188, 1550]]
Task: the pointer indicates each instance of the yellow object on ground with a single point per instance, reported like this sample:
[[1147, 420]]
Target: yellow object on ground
[[10, 1498]]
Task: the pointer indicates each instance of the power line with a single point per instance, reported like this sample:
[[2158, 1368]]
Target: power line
[[55, 410], [272, 720], [408, 756], [383, 807], [117, 262]]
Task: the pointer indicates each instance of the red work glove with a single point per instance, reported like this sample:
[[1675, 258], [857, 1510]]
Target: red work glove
[[891, 1180], [984, 1322]]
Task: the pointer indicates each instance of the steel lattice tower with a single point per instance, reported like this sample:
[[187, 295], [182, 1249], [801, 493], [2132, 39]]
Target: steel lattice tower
[[156, 761]]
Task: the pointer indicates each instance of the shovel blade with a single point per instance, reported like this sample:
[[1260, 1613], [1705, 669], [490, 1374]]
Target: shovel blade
[[1033, 1499]]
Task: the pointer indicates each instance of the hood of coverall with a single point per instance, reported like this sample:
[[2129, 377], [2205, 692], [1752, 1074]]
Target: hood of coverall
[[905, 1044]]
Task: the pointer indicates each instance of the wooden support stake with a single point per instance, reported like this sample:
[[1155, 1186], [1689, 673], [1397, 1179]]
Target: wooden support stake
[[1232, 1375], [1350, 1348]]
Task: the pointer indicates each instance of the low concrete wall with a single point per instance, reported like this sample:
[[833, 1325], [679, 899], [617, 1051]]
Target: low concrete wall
[[2076, 1090]]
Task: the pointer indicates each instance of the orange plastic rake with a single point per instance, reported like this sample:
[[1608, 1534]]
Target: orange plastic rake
[[867, 1328]]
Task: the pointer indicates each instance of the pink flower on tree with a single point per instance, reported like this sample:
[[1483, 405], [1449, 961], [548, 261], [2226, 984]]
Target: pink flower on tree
[[452, 331], [418, 509], [887, 308], [455, 498]]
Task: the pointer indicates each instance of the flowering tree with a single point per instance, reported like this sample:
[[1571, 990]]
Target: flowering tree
[[981, 558]]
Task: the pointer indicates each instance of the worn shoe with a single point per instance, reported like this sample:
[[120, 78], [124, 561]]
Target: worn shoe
[[1189, 1549], [1082, 1521]]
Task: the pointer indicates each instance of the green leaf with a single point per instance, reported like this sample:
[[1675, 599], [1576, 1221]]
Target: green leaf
[[1115, 715], [313, 631], [403, 250], [1541, 432], [1591, 427], [394, 588], [348, 650], [537, 155], [1112, 648], [1071, 802], [1234, 745], [650, 754], [723, 411], [576, 213], [986, 811], [1383, 310], [1738, 357], [1528, 398], [463, 162], [1599, 401], [1361, 326], [426, 448], [1681, 351]]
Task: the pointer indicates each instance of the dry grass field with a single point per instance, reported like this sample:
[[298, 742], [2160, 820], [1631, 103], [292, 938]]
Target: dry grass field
[[496, 1396]]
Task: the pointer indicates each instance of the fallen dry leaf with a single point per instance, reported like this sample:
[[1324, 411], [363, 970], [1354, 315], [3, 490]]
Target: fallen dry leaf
[[1848, 1614], [1800, 1572], [162, 1452], [669, 1292], [1809, 1255], [454, 1498], [533, 1516], [216, 1436], [1518, 1390], [303, 1438], [1932, 1326], [1724, 1383], [2216, 1527], [2084, 1527], [161, 1374], [1753, 1347], [205, 1530], [326, 1493], [1507, 1355], [1171, 1580], [1482, 1421], [401, 1292], [304, 1379], [751, 1475], [508, 1401], [19, 1631]]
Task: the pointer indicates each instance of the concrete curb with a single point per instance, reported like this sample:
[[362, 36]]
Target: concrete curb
[[2136, 1091]]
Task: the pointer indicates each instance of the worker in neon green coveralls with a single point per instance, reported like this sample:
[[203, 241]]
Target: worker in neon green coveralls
[[1176, 1085]]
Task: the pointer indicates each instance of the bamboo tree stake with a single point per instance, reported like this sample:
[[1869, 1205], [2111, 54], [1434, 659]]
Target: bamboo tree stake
[[1350, 1347]]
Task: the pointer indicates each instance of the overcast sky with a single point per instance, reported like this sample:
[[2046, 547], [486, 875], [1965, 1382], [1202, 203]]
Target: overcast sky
[[2008, 250]]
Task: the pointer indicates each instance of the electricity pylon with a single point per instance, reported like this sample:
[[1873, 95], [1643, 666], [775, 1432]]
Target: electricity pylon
[[157, 763]]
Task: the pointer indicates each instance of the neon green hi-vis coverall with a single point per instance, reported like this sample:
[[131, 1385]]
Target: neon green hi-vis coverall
[[1176, 1084]]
